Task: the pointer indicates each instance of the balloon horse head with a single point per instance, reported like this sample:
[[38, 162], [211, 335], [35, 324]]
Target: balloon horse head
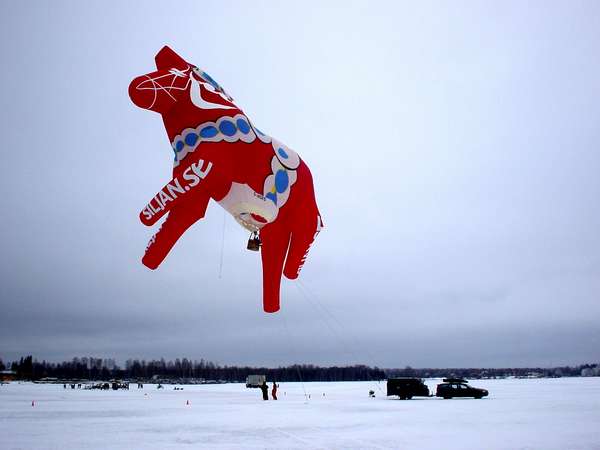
[[220, 154]]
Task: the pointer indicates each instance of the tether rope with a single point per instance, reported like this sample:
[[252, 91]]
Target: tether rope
[[222, 244], [305, 292], [290, 340]]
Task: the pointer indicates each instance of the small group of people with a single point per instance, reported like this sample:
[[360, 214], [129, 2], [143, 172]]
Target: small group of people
[[265, 390]]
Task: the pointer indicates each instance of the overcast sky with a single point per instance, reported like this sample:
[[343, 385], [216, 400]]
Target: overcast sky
[[454, 148]]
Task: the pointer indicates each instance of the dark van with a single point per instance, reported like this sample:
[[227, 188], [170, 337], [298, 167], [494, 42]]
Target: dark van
[[407, 388]]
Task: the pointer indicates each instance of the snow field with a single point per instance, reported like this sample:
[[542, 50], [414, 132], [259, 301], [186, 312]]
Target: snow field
[[528, 414]]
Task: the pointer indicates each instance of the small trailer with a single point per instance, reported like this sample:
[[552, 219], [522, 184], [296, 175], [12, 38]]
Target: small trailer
[[254, 381], [407, 388]]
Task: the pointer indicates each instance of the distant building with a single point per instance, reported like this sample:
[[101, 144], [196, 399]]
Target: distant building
[[254, 381], [590, 371], [8, 375]]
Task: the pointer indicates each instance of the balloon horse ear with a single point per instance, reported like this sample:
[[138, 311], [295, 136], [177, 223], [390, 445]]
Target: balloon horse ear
[[168, 59]]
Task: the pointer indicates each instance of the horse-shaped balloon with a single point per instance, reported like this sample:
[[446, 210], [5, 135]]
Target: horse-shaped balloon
[[220, 154]]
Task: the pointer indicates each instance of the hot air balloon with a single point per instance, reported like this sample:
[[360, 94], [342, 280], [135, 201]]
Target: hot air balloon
[[220, 154]]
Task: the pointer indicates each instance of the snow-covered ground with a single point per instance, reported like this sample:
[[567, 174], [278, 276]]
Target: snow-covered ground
[[544, 414]]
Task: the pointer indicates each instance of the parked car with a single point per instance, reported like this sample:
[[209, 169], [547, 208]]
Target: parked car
[[458, 387], [407, 388]]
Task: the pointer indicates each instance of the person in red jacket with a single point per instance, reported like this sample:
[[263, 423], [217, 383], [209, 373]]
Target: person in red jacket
[[274, 391]]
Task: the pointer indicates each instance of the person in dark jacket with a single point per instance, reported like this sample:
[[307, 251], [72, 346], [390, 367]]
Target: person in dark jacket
[[274, 391], [265, 390]]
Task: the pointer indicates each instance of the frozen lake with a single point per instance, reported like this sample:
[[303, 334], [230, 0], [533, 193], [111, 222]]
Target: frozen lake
[[545, 414]]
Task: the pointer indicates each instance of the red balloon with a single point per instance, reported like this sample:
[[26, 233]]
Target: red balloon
[[220, 154]]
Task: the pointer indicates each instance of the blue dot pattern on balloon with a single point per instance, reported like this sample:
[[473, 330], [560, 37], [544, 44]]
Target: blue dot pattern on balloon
[[272, 196], [191, 139], [243, 126], [230, 129], [282, 181], [227, 128], [208, 132], [282, 153], [208, 78]]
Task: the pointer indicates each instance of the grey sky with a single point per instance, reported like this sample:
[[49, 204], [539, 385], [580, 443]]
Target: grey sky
[[454, 148]]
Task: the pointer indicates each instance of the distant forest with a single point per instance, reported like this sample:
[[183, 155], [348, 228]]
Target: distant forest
[[474, 373], [185, 370], [182, 370]]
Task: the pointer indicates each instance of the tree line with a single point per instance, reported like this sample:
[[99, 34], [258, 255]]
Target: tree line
[[95, 369], [474, 373]]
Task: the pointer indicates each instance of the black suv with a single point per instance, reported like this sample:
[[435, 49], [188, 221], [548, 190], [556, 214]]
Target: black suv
[[457, 387], [407, 388]]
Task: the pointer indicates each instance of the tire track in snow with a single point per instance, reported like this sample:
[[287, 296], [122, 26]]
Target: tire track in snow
[[359, 442], [299, 439]]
